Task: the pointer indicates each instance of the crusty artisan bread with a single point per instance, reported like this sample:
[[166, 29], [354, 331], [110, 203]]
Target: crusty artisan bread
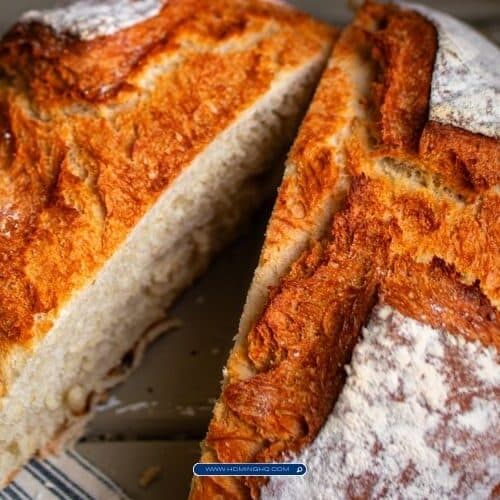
[[134, 136], [384, 241]]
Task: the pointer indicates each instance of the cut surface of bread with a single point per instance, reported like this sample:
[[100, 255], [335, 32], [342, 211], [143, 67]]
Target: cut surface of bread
[[387, 218], [127, 158]]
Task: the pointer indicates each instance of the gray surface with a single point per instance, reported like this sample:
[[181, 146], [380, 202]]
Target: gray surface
[[163, 409]]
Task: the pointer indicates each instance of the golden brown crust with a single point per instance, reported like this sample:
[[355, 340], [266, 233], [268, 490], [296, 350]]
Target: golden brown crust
[[405, 45], [434, 293], [471, 159], [414, 232], [90, 138], [62, 69]]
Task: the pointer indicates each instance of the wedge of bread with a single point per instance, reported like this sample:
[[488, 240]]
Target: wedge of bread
[[384, 241], [134, 137]]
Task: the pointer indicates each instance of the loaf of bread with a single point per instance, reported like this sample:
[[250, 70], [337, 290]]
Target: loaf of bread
[[134, 140], [368, 345]]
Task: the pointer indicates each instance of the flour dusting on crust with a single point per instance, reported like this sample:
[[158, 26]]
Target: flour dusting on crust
[[89, 19], [465, 88], [418, 418]]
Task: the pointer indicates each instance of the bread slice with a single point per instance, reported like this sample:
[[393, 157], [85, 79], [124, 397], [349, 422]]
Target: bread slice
[[134, 140], [384, 240]]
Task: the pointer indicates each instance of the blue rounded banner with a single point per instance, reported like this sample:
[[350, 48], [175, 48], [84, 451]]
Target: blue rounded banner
[[249, 469]]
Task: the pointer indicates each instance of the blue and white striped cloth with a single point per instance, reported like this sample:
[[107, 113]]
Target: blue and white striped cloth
[[65, 477]]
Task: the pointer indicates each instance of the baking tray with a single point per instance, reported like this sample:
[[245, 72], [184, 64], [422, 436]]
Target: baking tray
[[157, 418]]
